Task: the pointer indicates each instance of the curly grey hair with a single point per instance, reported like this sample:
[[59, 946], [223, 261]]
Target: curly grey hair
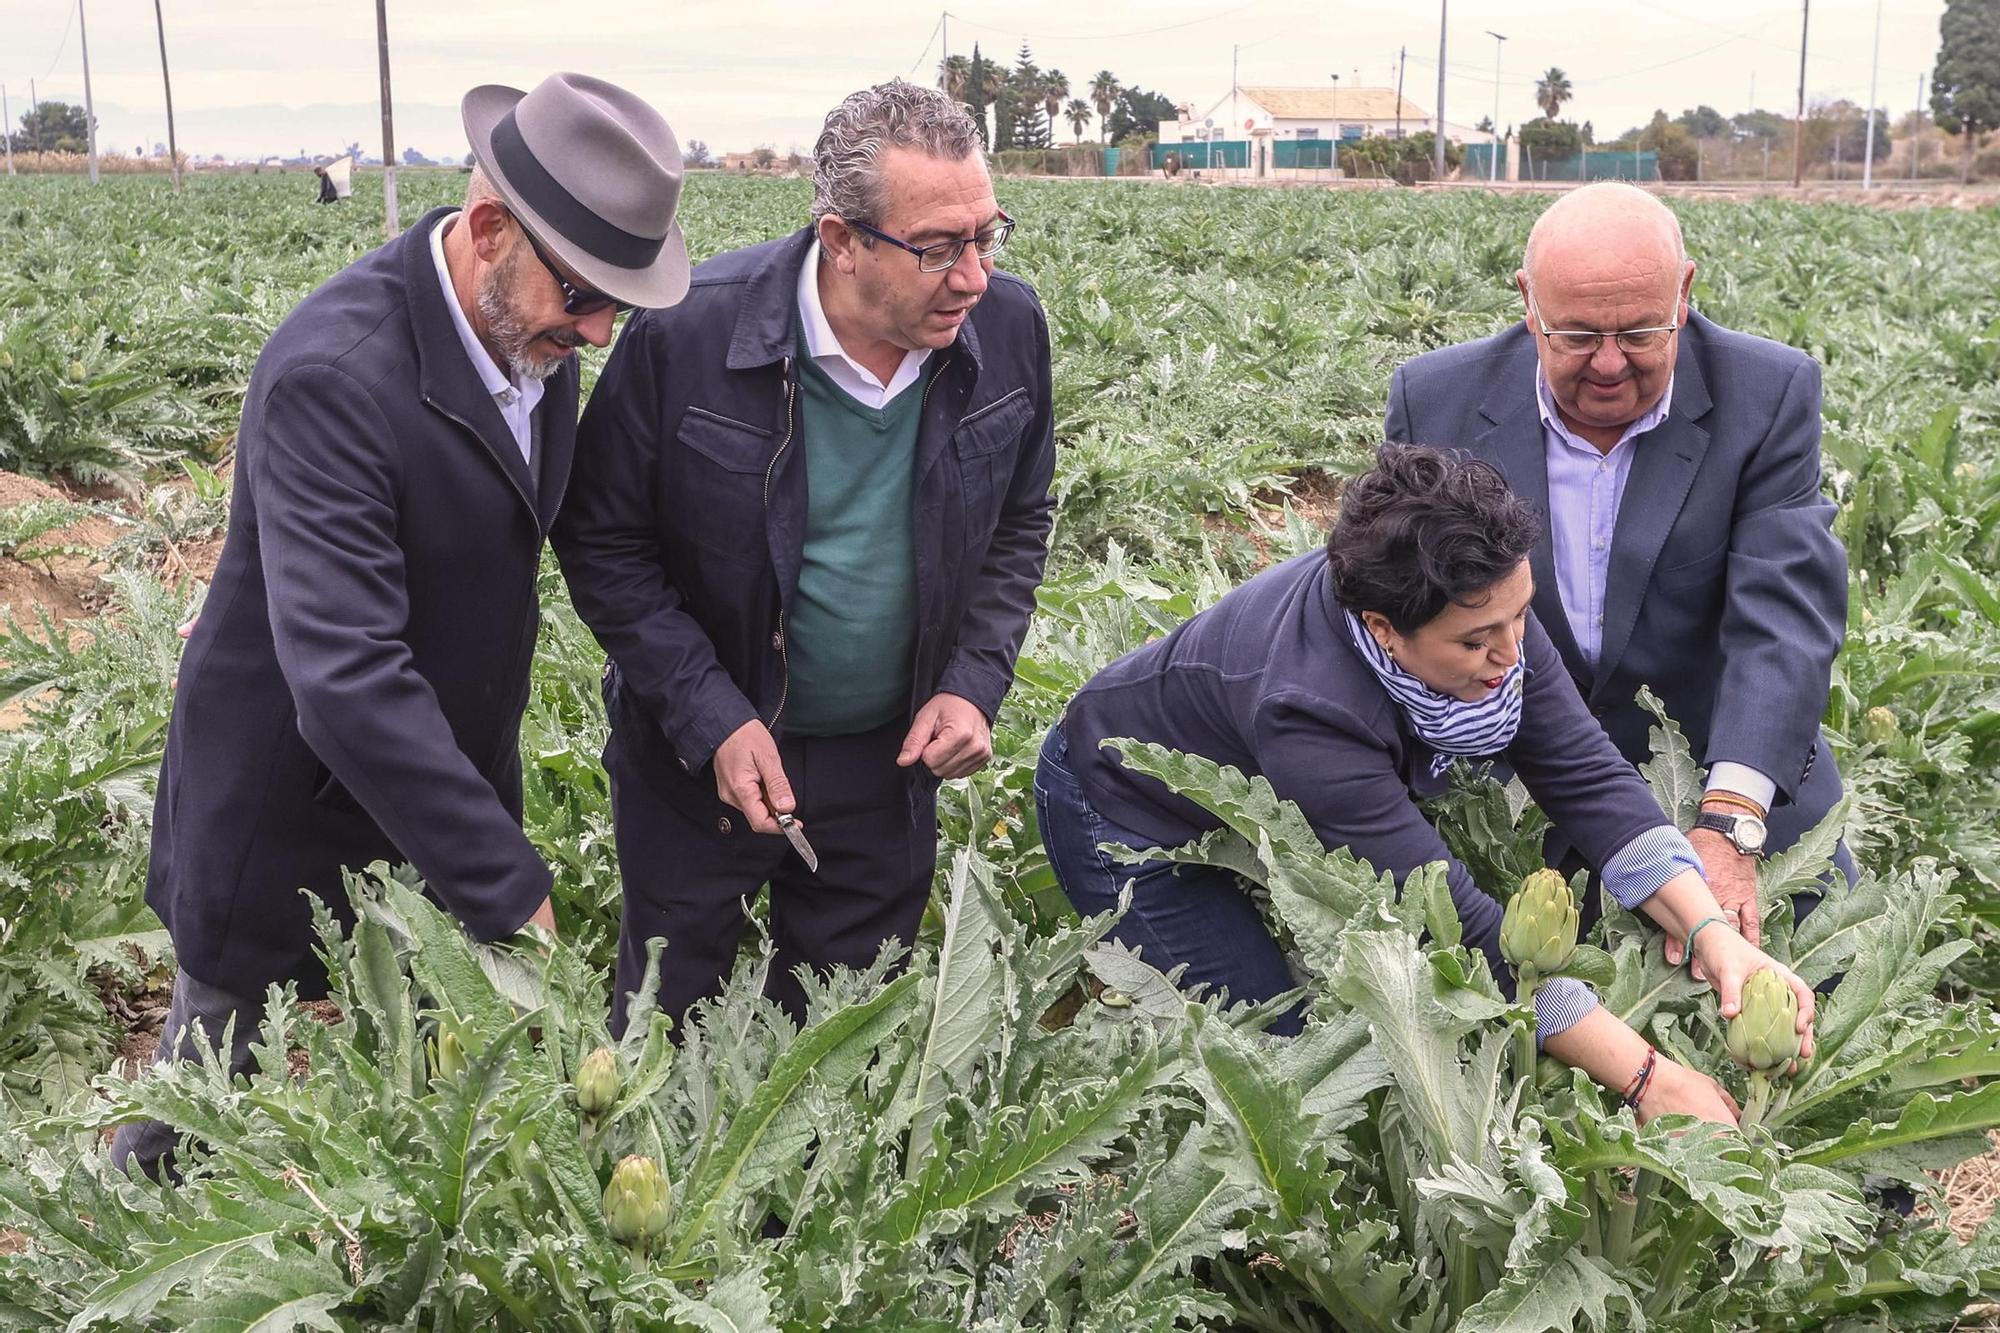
[[846, 181]]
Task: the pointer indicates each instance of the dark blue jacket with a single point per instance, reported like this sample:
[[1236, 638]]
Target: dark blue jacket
[[685, 525], [354, 688], [1727, 591], [1268, 680]]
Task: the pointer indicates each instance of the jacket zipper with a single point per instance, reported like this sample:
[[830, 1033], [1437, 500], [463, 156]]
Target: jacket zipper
[[784, 652]]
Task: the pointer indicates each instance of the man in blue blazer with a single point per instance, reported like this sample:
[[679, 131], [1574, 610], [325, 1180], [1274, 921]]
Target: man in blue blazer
[[1688, 546], [353, 691]]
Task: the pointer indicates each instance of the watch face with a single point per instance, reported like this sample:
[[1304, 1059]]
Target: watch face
[[1750, 833]]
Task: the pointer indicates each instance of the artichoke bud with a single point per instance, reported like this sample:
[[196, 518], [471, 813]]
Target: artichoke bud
[[1115, 999], [598, 1082], [635, 1202], [1764, 1034], [6, 359], [77, 372], [1879, 725], [447, 1055], [1539, 929]]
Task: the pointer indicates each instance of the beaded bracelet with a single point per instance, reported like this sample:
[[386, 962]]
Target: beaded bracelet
[[1642, 1080], [1707, 920]]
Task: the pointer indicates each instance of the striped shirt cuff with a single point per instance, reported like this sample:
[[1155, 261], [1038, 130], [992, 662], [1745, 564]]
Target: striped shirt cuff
[[1560, 1004], [1648, 861]]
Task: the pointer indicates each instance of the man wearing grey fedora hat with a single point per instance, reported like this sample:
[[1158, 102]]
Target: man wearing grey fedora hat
[[810, 513], [353, 690]]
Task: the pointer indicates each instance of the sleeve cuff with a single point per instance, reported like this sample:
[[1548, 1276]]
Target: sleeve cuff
[[1743, 780], [1642, 865], [1560, 1004]]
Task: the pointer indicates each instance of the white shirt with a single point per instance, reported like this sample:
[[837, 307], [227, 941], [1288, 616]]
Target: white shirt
[[516, 398], [1586, 489], [854, 379]]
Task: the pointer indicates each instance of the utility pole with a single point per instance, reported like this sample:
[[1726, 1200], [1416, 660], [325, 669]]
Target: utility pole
[[1402, 56], [1493, 167], [6, 135], [944, 43], [391, 224], [1799, 125], [1437, 116], [89, 110], [1917, 136], [173, 148], [1868, 145], [1234, 51], [35, 115]]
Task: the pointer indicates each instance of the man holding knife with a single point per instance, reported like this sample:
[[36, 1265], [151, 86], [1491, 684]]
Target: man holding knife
[[808, 516]]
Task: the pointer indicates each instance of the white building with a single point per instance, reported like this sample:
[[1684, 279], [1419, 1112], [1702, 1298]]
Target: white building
[[1261, 117]]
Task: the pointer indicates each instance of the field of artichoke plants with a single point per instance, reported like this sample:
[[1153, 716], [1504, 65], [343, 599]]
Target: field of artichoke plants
[[1029, 1127]]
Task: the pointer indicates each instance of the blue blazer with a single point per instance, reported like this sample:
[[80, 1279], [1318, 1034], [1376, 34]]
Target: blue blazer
[[1728, 590], [1268, 680], [354, 689]]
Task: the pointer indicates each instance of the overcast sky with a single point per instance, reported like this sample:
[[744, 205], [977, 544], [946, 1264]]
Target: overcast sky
[[278, 76]]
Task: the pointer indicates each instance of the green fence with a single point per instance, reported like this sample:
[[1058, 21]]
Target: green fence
[[1196, 156], [1296, 153], [1597, 164]]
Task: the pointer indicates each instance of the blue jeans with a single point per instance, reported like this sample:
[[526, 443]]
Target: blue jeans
[[1180, 914]]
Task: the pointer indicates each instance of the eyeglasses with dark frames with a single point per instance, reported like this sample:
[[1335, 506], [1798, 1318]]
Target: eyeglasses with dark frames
[[944, 255], [577, 299], [1585, 342]]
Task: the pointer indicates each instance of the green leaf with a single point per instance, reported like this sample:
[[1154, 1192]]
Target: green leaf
[[770, 1132], [1949, 1129], [1179, 1217], [1255, 1118], [965, 993]]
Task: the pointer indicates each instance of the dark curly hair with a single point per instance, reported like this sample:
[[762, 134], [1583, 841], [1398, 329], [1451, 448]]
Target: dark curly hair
[[1422, 529]]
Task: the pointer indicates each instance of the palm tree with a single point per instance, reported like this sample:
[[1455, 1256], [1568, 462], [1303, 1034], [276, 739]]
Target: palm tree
[[1055, 87], [955, 77], [1104, 90], [1078, 112], [1552, 90]]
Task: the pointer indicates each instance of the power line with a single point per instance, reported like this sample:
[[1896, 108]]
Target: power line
[[927, 45], [63, 45]]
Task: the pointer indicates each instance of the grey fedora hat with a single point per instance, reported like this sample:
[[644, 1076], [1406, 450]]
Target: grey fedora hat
[[594, 173]]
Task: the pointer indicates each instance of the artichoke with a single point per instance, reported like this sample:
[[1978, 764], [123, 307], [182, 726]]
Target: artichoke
[[598, 1082], [1539, 929], [447, 1055], [1764, 1034], [635, 1202], [78, 372], [1879, 725]]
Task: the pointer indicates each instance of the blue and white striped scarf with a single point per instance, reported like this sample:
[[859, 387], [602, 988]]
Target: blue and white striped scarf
[[1450, 726]]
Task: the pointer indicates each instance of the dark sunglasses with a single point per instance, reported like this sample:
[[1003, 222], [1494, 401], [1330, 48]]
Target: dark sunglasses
[[577, 300]]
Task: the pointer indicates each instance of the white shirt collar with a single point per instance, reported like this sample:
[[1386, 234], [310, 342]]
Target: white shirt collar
[[1545, 401], [506, 391], [823, 345]]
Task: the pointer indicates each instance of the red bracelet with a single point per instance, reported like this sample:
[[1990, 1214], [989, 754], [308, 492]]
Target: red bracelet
[[1641, 1080]]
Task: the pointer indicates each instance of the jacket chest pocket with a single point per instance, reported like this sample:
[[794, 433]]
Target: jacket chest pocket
[[718, 477], [985, 445]]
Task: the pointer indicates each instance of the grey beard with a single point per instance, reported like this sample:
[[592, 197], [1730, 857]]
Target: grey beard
[[511, 333]]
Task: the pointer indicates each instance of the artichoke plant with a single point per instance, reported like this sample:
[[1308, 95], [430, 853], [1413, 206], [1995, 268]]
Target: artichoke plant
[[1538, 932], [1538, 939], [447, 1055], [635, 1202], [598, 1082], [1880, 725], [1764, 1037]]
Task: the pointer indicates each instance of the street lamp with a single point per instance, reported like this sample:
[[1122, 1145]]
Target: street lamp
[[1493, 172], [1336, 126]]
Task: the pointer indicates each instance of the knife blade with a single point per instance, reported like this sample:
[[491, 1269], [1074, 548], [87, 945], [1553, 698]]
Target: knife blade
[[797, 837]]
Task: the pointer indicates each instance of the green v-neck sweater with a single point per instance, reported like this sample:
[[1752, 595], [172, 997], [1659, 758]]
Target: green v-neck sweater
[[853, 626]]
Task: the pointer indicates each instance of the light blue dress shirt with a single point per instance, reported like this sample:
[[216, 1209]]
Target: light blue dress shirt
[[1586, 488]]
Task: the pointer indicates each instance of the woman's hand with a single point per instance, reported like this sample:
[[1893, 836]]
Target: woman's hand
[[1677, 1090], [1728, 960]]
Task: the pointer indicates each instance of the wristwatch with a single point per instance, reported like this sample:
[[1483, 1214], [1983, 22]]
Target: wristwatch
[[1746, 831]]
